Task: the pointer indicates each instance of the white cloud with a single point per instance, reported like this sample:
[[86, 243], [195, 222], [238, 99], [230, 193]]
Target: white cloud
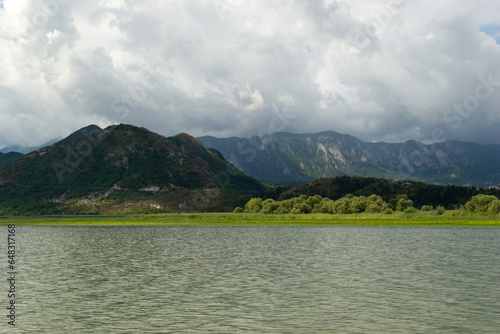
[[379, 70]]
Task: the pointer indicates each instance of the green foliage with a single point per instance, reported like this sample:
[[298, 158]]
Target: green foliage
[[410, 210], [254, 205], [92, 163], [480, 203], [269, 206], [404, 204], [317, 204], [426, 208], [494, 207], [390, 191], [440, 210], [238, 210]]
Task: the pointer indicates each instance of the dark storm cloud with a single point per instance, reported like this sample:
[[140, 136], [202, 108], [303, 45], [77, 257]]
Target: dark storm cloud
[[379, 70]]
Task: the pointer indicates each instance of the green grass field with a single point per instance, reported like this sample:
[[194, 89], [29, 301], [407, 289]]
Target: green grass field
[[423, 219]]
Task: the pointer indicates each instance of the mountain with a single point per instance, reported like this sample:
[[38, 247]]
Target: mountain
[[9, 158], [14, 153], [303, 157], [25, 150], [75, 135], [122, 169]]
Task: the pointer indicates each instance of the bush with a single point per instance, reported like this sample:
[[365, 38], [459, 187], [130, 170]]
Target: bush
[[281, 210], [358, 204], [440, 210], [305, 208], [480, 203], [238, 210], [269, 206], [410, 210], [426, 208], [254, 205], [494, 207], [404, 204]]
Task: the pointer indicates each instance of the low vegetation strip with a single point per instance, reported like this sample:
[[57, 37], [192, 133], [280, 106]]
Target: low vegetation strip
[[231, 219]]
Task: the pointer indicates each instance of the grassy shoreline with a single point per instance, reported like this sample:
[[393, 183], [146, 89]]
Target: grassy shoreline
[[232, 219]]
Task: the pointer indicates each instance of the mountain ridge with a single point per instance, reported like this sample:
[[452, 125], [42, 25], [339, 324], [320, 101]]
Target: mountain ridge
[[302, 157]]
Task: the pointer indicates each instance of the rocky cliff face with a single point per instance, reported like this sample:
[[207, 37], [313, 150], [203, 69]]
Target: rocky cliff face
[[286, 156]]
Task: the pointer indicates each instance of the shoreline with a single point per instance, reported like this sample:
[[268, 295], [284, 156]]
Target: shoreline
[[231, 219]]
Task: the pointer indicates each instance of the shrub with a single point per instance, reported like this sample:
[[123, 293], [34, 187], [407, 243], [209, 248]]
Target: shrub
[[480, 203], [281, 210], [269, 206], [254, 205], [404, 204], [494, 207], [340, 206], [410, 210], [426, 208], [440, 210], [305, 208], [358, 204], [238, 210]]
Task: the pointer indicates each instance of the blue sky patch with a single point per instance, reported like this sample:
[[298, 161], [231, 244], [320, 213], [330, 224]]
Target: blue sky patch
[[493, 31]]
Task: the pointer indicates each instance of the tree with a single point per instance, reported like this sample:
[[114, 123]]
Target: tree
[[269, 206], [440, 210], [305, 208], [480, 203], [404, 204], [494, 207], [254, 205]]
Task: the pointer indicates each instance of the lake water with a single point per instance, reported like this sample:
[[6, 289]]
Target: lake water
[[94, 279]]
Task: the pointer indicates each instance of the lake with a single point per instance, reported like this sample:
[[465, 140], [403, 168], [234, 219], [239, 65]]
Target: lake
[[147, 279]]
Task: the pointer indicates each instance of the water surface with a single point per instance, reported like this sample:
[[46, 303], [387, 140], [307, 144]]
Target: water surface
[[95, 279]]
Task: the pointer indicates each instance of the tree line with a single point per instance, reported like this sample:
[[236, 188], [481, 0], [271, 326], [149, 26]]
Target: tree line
[[350, 204]]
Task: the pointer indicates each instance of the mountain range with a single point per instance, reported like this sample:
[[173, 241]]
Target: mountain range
[[127, 169], [25, 150], [302, 157]]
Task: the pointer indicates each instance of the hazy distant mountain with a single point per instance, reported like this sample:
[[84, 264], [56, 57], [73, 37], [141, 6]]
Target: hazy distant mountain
[[75, 135], [287, 156], [25, 150], [14, 153], [122, 168]]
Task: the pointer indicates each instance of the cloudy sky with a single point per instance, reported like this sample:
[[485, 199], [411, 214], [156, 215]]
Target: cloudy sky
[[381, 70]]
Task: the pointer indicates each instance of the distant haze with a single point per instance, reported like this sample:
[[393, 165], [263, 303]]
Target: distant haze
[[378, 70]]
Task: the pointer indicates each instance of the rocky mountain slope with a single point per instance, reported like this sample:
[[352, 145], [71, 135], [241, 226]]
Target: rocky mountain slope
[[287, 156]]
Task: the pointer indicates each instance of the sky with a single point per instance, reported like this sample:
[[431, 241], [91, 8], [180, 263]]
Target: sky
[[380, 70]]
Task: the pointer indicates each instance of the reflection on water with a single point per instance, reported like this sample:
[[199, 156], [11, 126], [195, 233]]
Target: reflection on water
[[257, 280]]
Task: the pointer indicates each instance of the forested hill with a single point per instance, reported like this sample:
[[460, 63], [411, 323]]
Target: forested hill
[[303, 157], [449, 196], [122, 168], [9, 158]]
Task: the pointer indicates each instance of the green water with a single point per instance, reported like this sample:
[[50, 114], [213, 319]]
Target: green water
[[91, 279]]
